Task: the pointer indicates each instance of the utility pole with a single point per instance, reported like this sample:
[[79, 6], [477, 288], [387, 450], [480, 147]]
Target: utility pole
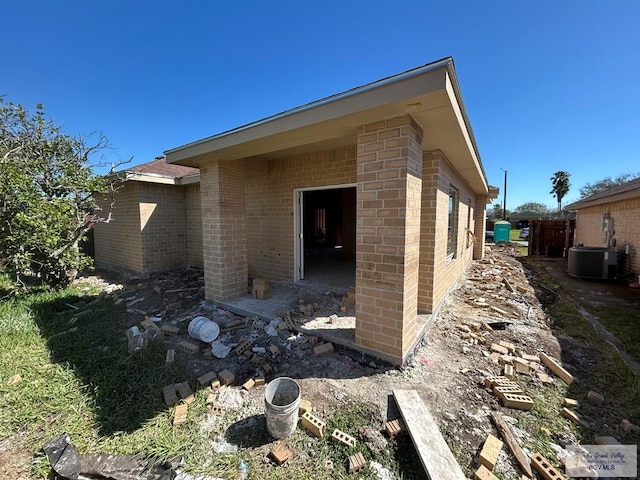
[[504, 202]]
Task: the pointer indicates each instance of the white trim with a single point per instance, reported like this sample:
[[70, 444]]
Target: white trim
[[297, 222]]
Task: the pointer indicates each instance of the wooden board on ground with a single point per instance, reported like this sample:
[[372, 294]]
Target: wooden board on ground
[[512, 443], [436, 458]]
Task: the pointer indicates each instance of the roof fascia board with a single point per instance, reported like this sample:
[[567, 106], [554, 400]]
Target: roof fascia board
[[161, 179], [391, 89], [618, 197]]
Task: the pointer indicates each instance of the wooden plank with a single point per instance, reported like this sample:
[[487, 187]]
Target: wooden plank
[[512, 443], [436, 458]]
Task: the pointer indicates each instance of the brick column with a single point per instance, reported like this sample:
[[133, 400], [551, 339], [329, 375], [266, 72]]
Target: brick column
[[388, 236], [479, 225], [224, 236], [430, 249]]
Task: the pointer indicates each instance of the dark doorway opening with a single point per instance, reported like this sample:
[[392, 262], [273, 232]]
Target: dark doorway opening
[[329, 234]]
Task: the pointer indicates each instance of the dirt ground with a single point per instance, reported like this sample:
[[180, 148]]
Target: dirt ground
[[447, 369]]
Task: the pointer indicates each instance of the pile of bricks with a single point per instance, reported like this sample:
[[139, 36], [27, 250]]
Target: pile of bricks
[[261, 289]]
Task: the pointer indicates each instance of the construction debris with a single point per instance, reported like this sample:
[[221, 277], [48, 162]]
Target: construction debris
[[436, 458]]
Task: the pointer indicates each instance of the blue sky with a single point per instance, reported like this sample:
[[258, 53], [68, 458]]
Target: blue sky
[[547, 85]]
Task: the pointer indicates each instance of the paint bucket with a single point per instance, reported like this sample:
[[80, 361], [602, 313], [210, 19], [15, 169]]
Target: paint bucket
[[281, 402], [201, 328]]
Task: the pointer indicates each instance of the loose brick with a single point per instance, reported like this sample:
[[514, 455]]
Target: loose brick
[[501, 382], [259, 381], [215, 384], [169, 394], [242, 347], [207, 378], [571, 403], [249, 384], [500, 391], [595, 397], [556, 368], [180, 414], [267, 367], [484, 474], [170, 357], [531, 358], [508, 371], [521, 366], [305, 406], [188, 347], [490, 451], [491, 381], [508, 345], [149, 325], [522, 402], [323, 348], [544, 468], [499, 349], [184, 390], [173, 306], [395, 428], [275, 351], [280, 453], [290, 324], [226, 377], [575, 417], [356, 462], [261, 283], [169, 330], [233, 324], [313, 424], [257, 361], [506, 359], [341, 437]]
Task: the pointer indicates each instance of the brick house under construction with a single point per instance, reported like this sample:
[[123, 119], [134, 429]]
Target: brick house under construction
[[384, 179]]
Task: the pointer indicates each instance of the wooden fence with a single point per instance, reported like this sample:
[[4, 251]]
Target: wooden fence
[[552, 238]]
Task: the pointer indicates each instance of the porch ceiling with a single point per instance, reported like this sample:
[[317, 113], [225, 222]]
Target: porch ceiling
[[429, 94]]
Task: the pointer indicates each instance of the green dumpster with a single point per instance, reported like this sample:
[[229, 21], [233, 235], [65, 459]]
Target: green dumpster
[[501, 231]]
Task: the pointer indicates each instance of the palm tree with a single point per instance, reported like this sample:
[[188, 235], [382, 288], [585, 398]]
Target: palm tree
[[560, 182]]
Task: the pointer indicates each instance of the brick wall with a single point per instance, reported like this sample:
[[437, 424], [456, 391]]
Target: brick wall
[[154, 227], [270, 204], [438, 273], [626, 218], [163, 226], [194, 226], [118, 244]]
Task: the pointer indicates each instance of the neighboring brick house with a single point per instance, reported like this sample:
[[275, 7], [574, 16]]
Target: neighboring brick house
[[399, 158], [156, 223], [621, 204]]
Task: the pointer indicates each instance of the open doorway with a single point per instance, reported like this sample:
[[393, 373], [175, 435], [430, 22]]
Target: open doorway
[[326, 236]]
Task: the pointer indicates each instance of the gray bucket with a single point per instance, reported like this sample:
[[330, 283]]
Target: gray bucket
[[281, 402]]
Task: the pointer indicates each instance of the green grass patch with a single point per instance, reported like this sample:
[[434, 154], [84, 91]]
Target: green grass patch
[[69, 370], [623, 323], [607, 373], [65, 369]]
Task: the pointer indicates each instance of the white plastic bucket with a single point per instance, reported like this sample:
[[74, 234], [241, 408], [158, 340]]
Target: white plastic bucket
[[281, 402], [201, 328]]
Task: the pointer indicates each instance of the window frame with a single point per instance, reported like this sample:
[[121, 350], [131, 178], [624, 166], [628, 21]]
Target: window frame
[[453, 207]]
